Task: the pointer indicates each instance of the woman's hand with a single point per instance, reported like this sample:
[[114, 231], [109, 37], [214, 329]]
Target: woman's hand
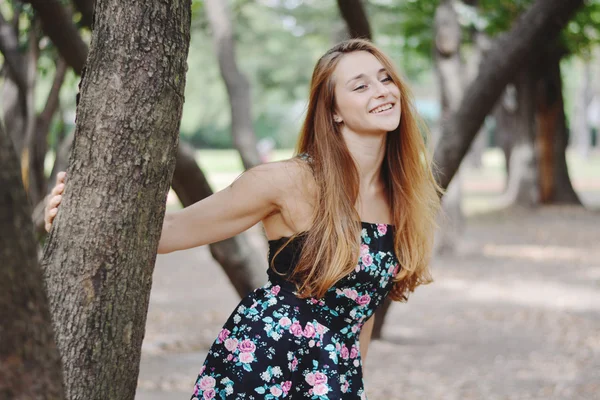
[[54, 200]]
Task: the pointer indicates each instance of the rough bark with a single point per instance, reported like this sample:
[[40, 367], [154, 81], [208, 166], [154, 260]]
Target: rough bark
[[101, 250], [238, 88], [356, 18], [552, 135], [541, 23], [29, 361], [57, 23], [244, 266]]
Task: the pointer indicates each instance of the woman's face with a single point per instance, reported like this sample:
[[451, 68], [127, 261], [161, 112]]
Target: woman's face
[[367, 100]]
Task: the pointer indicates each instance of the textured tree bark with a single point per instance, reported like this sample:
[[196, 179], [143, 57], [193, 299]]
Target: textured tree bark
[[552, 136], [356, 18], [57, 23], [101, 250], [238, 88], [29, 361], [245, 267], [540, 24]]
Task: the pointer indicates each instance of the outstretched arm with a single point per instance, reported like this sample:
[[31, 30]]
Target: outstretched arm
[[256, 194]]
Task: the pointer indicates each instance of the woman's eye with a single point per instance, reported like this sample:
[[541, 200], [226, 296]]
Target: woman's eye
[[386, 79], [361, 87]]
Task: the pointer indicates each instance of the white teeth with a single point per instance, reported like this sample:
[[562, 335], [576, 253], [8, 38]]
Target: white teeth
[[382, 108]]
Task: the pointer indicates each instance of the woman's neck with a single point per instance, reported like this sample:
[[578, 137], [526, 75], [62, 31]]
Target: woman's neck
[[368, 152]]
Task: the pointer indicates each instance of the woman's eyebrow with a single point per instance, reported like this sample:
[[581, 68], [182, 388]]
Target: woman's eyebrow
[[361, 75]]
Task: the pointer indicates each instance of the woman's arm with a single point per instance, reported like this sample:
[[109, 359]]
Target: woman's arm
[[256, 193], [365, 337]]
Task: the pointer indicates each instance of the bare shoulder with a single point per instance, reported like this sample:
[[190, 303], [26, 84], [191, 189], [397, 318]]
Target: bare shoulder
[[281, 177]]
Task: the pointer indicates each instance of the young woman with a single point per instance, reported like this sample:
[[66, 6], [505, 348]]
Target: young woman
[[349, 220]]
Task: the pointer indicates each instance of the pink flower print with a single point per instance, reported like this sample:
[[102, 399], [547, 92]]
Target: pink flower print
[[391, 269], [209, 394], [320, 329], [320, 389], [286, 386], [275, 290], [275, 391], [310, 379], [367, 260], [207, 382], [350, 293], [353, 352], [202, 370], [345, 387], [382, 229], [247, 346], [246, 358], [354, 328], [296, 329], [344, 353], [363, 300], [309, 330], [364, 249], [294, 364], [396, 269], [320, 378], [231, 344], [285, 322], [229, 357], [224, 334]]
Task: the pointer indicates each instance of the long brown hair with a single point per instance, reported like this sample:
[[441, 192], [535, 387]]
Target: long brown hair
[[334, 238]]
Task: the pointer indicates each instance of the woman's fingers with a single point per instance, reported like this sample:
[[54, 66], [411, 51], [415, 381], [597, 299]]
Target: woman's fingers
[[55, 198]]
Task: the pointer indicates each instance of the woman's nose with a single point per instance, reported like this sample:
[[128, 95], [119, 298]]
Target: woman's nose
[[381, 89]]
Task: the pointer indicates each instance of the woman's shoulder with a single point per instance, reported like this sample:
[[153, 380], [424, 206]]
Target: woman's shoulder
[[286, 174]]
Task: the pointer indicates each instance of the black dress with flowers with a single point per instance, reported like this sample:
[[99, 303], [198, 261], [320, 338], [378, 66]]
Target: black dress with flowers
[[276, 345]]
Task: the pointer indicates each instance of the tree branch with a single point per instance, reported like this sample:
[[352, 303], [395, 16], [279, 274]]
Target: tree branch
[[9, 46], [541, 23], [356, 18], [57, 23]]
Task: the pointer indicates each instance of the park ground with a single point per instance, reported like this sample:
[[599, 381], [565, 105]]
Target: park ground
[[514, 314]]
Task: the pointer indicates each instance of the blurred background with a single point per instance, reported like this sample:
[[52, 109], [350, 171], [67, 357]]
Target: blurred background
[[514, 312]]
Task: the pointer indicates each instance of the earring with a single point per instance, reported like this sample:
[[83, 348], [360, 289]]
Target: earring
[[337, 119]]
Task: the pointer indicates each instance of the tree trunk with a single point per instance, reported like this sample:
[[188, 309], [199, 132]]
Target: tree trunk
[[541, 23], [552, 135], [39, 143], [238, 88], [100, 253], [245, 267], [29, 360], [450, 71], [356, 18], [581, 127], [522, 186]]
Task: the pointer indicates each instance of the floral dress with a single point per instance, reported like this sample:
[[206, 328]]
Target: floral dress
[[278, 346]]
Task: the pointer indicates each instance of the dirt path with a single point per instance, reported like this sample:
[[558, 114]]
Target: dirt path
[[516, 315]]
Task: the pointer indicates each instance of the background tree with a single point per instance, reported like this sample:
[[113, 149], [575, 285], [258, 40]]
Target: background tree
[[29, 361], [101, 251]]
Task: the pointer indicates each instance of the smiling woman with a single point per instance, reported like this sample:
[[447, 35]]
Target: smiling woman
[[349, 220]]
